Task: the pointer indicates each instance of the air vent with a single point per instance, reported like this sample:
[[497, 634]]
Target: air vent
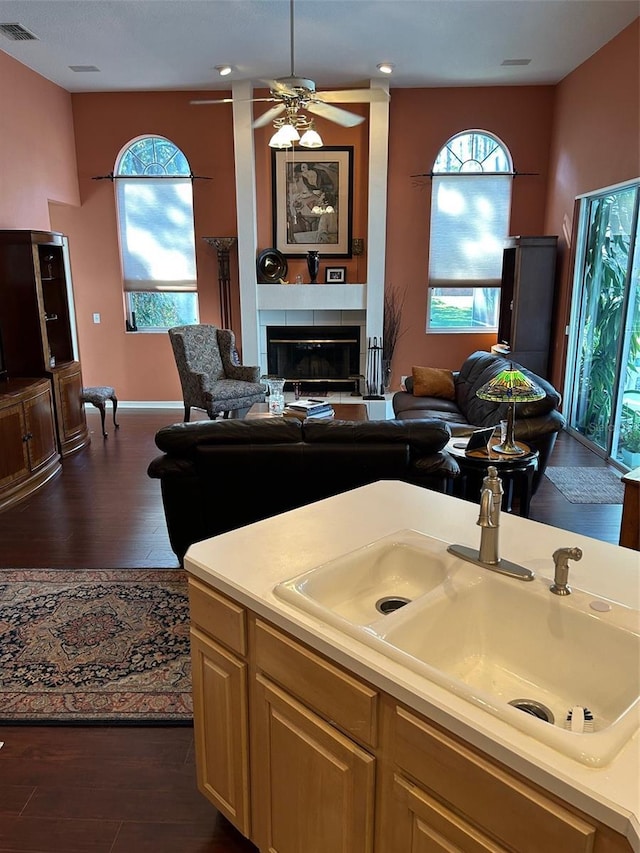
[[16, 32], [515, 62], [83, 68]]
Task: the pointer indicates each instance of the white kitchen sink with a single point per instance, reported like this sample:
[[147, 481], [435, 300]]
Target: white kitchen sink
[[497, 642], [487, 638], [364, 585]]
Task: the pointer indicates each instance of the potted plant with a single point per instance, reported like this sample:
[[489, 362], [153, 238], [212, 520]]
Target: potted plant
[[630, 446]]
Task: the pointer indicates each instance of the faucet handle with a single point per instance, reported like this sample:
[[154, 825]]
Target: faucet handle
[[561, 557]]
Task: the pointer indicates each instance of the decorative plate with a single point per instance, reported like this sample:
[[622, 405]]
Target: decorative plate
[[272, 266]]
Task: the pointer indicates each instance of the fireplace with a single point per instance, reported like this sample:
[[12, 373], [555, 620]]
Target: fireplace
[[320, 358]]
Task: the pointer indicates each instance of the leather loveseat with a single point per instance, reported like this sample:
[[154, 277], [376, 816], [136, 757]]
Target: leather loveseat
[[537, 423], [217, 476]]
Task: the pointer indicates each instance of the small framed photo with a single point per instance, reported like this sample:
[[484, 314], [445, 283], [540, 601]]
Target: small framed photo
[[335, 275]]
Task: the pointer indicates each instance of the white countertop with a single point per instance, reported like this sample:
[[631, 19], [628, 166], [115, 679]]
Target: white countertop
[[247, 563]]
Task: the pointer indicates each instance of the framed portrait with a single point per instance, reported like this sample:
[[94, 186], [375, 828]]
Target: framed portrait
[[335, 275], [312, 201]]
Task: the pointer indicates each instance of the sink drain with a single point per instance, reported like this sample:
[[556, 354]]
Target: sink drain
[[390, 603], [536, 709]]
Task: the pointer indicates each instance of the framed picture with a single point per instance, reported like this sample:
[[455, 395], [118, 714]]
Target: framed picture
[[335, 275], [312, 201]]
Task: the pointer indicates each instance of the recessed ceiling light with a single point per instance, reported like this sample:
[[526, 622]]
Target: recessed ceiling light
[[386, 67], [515, 62], [223, 70]]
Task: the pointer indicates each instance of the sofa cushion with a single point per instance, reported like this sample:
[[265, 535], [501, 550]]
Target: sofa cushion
[[433, 382]]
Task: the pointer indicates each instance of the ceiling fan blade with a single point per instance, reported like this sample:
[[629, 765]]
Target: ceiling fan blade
[[238, 101], [280, 88], [221, 101], [353, 96], [346, 119], [269, 116]]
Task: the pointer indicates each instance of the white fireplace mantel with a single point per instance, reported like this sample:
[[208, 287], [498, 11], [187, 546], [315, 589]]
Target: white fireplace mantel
[[312, 297], [256, 298]]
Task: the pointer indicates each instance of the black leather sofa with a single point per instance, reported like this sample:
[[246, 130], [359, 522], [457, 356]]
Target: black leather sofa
[[217, 476], [537, 423]]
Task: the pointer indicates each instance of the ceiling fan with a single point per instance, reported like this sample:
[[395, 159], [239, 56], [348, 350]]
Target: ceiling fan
[[294, 93]]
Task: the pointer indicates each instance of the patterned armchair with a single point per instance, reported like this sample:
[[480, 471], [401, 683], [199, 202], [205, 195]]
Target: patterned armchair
[[210, 375]]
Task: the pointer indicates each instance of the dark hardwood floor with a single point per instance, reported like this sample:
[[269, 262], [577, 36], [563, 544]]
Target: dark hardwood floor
[[121, 789]]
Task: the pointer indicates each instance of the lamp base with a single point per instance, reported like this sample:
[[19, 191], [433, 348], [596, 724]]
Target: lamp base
[[508, 449]]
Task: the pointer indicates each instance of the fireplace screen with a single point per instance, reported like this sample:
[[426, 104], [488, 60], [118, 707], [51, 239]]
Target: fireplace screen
[[320, 358]]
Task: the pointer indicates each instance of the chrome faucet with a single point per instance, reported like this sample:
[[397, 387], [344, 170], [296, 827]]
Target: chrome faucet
[[488, 556], [561, 559], [489, 518]]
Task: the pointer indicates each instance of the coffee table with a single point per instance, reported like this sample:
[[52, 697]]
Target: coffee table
[[343, 412], [516, 472]]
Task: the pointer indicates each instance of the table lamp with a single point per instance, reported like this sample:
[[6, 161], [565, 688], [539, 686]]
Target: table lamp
[[510, 386]]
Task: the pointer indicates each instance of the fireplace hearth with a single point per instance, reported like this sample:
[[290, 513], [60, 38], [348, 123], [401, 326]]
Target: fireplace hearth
[[319, 358]]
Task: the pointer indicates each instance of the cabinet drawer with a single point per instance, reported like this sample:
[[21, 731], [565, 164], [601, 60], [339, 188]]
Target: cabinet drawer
[[218, 617], [332, 693], [525, 820]]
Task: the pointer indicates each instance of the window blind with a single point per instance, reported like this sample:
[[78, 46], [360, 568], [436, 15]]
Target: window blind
[[469, 224], [155, 218]]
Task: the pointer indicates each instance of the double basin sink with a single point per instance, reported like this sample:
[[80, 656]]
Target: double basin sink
[[539, 662]]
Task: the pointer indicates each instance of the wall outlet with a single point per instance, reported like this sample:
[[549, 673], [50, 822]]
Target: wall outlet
[[96, 318]]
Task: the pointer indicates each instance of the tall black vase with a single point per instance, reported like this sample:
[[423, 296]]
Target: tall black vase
[[313, 265]]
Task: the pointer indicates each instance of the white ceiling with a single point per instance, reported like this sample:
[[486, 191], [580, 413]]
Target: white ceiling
[[146, 45]]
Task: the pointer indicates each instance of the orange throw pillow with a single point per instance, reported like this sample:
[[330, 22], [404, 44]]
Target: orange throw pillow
[[433, 382]]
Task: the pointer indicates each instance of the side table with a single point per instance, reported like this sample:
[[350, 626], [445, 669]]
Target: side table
[[516, 472]]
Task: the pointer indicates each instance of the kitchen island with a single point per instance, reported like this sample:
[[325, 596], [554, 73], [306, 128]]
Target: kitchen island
[[308, 739]]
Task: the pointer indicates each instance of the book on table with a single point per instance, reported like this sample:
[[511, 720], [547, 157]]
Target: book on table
[[324, 412], [310, 406]]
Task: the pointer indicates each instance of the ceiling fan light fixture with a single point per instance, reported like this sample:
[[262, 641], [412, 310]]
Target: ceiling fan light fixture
[[386, 67], [284, 137], [223, 70], [311, 139]]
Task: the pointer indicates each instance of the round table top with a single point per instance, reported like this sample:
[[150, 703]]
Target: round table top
[[457, 448]]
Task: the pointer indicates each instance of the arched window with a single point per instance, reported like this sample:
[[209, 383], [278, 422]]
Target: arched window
[[154, 200], [470, 212]]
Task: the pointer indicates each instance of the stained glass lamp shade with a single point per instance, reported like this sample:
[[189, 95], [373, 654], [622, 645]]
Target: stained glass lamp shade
[[510, 386]]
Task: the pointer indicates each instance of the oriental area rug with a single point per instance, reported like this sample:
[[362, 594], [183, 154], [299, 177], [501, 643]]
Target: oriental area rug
[[587, 485], [94, 646]]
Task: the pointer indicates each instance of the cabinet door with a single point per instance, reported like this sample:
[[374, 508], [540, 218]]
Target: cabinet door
[[423, 825], [14, 458], [72, 423], [38, 413], [220, 722], [313, 787]]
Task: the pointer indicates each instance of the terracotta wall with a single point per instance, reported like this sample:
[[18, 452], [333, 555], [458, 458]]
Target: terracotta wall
[[141, 365], [37, 147], [421, 122], [595, 144], [576, 136]]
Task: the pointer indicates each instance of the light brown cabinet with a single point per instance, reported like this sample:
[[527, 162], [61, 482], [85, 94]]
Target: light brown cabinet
[[37, 324], [220, 703], [315, 786], [336, 764], [28, 450], [446, 792]]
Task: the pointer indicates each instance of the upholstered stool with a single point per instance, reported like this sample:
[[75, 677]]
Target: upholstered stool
[[98, 397]]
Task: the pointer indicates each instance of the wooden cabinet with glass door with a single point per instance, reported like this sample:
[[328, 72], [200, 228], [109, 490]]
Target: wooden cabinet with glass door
[[37, 323]]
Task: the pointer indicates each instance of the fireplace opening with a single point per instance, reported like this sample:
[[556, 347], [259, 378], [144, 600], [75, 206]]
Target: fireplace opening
[[320, 358]]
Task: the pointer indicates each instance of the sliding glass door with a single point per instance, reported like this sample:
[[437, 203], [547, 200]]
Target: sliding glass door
[[603, 369]]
